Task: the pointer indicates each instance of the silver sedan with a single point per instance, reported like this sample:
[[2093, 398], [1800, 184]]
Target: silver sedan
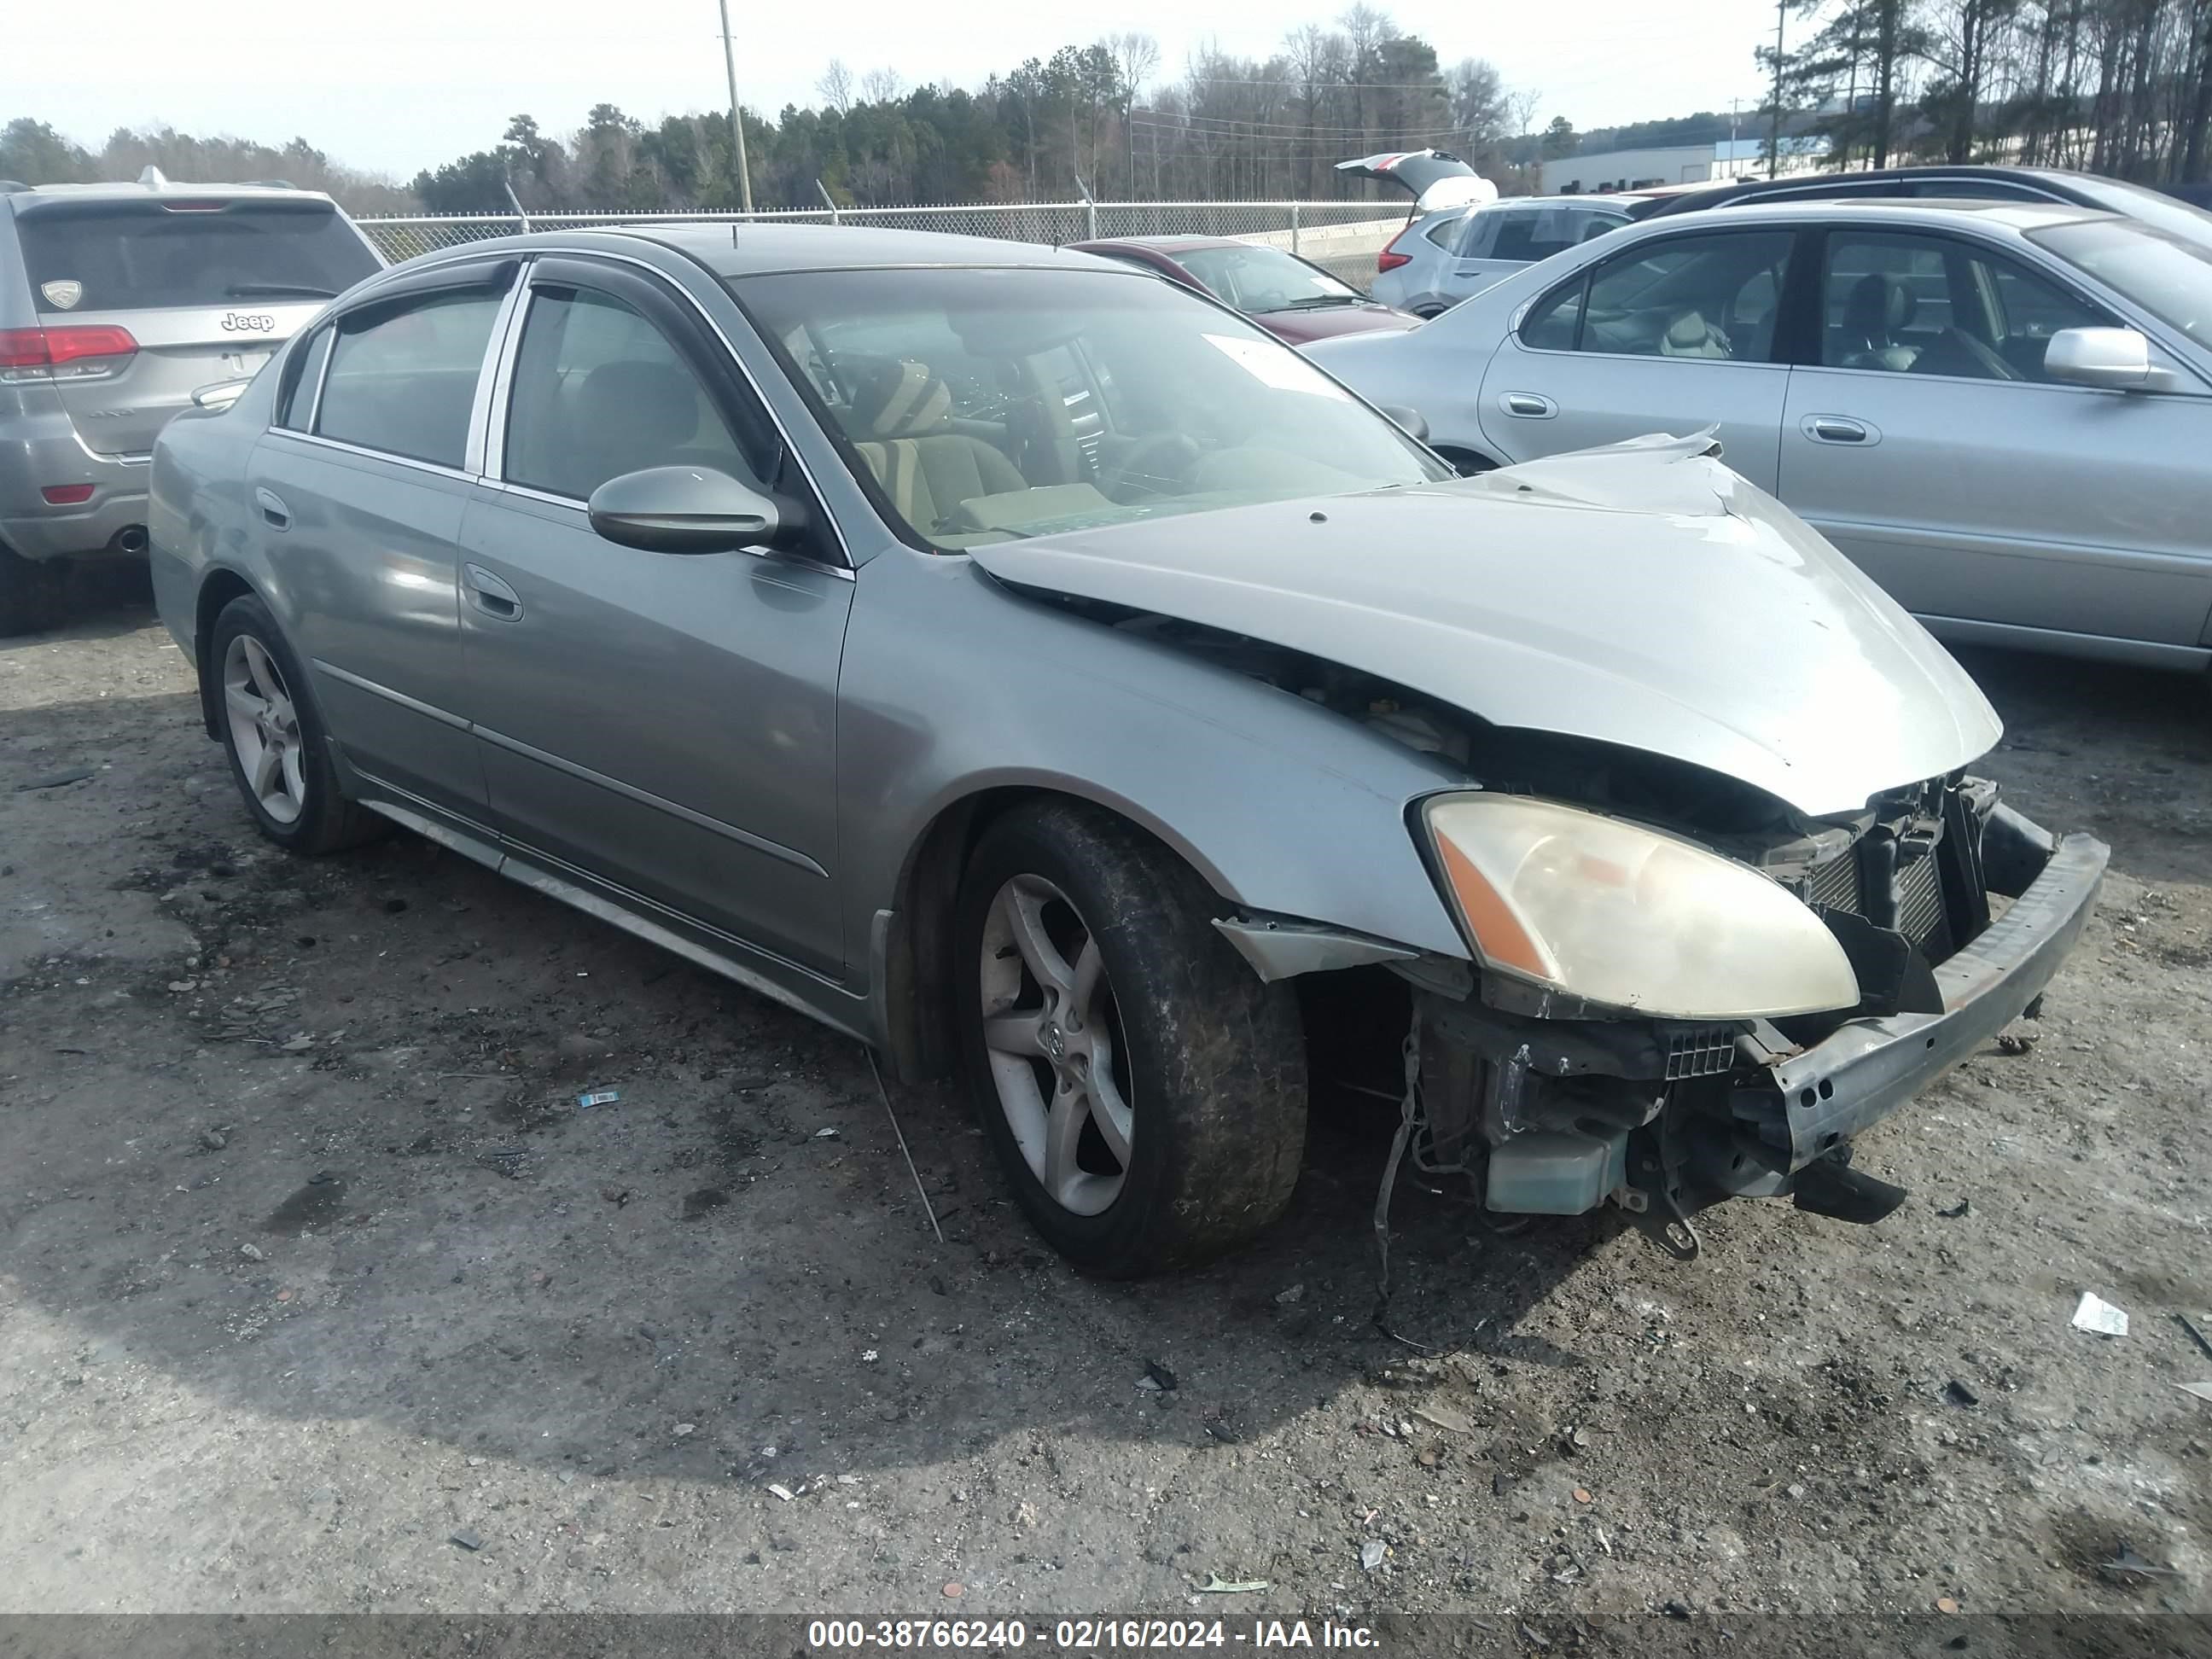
[[1033, 669], [2001, 411]]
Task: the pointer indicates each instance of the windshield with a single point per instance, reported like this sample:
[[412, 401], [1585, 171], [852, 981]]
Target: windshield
[[2170, 278], [2153, 208], [1261, 279], [142, 255], [982, 405]]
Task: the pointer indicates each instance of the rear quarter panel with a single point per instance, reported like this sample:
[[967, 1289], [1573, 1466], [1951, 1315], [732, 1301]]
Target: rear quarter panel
[[197, 514]]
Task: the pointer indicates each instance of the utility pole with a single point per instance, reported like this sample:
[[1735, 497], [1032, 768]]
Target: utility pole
[[1774, 130], [737, 116]]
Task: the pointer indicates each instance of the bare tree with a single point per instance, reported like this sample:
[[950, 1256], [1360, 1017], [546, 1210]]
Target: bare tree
[[1316, 58], [882, 86], [836, 87], [1365, 28], [1480, 106], [1136, 58]]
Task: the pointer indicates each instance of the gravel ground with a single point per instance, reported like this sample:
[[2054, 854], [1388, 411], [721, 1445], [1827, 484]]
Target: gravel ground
[[318, 1292]]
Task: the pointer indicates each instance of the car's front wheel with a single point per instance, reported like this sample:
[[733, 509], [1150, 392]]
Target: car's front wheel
[[273, 735], [1144, 1089]]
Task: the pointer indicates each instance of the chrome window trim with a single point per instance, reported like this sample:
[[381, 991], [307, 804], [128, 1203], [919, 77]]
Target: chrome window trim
[[737, 360], [1651, 357], [501, 486], [344, 448], [532, 493], [302, 341], [483, 442], [322, 380]]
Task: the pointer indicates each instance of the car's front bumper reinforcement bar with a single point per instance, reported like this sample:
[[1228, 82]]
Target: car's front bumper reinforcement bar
[[1869, 1068]]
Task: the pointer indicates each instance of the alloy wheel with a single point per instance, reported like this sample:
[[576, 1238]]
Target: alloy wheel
[[264, 729], [1053, 1033]]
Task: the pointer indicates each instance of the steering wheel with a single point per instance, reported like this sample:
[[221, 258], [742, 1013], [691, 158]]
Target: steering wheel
[[1157, 465]]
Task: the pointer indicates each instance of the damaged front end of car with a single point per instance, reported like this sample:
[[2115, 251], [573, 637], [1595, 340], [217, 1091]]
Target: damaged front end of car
[[1729, 889], [1661, 1023]]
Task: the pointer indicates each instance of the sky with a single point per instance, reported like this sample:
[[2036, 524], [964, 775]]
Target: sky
[[398, 85]]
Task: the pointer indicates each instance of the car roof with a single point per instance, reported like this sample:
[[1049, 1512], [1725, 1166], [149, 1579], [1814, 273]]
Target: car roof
[[2065, 183], [155, 189], [737, 249], [1955, 210], [1612, 201]]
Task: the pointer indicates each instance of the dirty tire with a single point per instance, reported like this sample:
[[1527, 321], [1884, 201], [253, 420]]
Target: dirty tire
[[1212, 1060], [327, 822], [30, 593]]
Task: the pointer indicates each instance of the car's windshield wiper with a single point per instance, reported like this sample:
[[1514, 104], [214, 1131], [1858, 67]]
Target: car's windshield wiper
[[244, 290], [1314, 302]]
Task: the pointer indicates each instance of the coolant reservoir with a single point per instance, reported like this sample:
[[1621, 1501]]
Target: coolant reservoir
[[1556, 1172]]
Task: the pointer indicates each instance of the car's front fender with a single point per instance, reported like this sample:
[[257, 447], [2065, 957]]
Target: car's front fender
[[955, 688]]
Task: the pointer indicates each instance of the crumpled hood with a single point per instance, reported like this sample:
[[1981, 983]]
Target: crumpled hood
[[1641, 594]]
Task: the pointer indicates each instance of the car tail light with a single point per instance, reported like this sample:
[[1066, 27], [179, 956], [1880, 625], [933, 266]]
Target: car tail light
[[35, 349], [1389, 258], [66, 494]]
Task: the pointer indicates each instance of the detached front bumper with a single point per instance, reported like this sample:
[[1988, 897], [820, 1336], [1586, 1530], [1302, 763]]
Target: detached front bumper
[[1868, 1068]]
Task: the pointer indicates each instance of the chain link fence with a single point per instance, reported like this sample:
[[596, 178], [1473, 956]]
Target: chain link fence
[[1342, 237]]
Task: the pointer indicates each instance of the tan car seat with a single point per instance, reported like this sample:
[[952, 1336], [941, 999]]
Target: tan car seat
[[926, 469], [1690, 336]]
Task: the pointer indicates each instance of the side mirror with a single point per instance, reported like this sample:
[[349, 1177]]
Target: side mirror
[[222, 395], [2115, 359], [1408, 421], [691, 509]]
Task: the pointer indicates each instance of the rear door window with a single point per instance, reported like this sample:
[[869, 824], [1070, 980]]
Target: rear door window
[[303, 373], [149, 255], [1478, 233], [1706, 296], [403, 380], [1513, 237]]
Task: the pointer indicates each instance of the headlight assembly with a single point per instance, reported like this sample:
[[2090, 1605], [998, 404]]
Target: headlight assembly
[[1614, 913]]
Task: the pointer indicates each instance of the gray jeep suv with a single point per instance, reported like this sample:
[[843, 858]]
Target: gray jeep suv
[[117, 301]]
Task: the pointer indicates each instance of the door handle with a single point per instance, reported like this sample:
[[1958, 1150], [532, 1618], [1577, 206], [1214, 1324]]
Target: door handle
[[1527, 405], [273, 509], [489, 594], [1838, 429]]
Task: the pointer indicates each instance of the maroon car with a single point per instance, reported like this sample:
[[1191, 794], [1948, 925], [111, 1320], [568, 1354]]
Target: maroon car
[[1293, 299]]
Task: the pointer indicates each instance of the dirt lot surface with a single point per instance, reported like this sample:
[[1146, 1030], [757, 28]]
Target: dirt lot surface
[[318, 1292]]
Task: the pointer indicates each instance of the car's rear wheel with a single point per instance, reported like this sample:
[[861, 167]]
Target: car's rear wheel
[[1145, 1092], [272, 731]]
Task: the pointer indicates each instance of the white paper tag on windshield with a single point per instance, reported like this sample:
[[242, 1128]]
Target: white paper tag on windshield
[[1273, 365]]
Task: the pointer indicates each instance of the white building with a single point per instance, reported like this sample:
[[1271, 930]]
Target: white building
[[1676, 164]]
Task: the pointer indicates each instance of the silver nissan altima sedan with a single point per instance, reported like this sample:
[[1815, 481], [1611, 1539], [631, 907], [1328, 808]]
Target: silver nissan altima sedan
[[1035, 668], [2001, 411]]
